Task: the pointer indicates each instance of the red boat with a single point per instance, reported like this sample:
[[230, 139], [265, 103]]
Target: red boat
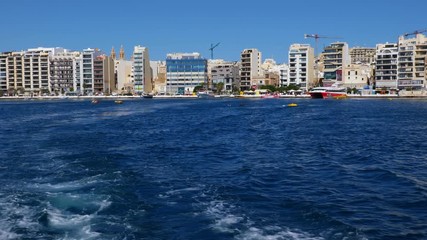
[[328, 92]]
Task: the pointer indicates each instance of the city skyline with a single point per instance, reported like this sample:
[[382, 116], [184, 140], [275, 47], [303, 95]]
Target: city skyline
[[191, 26]]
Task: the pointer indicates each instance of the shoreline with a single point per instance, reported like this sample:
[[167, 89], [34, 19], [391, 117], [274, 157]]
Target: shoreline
[[387, 96]]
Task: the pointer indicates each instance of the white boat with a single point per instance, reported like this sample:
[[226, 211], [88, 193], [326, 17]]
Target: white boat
[[205, 94], [328, 92]]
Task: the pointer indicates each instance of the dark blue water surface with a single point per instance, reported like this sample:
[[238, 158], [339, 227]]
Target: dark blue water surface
[[213, 169]]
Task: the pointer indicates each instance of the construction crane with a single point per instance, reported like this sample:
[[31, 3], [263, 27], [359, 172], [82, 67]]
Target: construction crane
[[415, 32], [212, 49]]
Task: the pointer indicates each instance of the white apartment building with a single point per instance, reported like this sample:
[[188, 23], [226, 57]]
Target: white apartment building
[[283, 75], [386, 66], [87, 80], [250, 67], [143, 80], [301, 66], [335, 56], [411, 70]]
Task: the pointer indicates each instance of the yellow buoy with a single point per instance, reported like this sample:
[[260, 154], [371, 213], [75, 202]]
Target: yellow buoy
[[292, 105]]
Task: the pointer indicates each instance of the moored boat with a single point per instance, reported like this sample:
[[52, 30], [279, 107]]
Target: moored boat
[[328, 92]]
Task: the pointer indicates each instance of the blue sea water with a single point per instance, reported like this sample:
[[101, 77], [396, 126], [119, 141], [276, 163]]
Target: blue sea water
[[213, 169]]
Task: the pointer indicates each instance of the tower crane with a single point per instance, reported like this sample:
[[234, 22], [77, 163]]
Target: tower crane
[[415, 32], [212, 48]]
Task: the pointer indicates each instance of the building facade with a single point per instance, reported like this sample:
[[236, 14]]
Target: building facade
[[227, 74], [251, 60], [335, 56], [301, 66], [143, 80], [386, 66], [411, 63], [185, 71], [63, 75], [357, 75], [362, 55]]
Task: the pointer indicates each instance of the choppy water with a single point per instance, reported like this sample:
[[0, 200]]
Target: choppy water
[[214, 169]]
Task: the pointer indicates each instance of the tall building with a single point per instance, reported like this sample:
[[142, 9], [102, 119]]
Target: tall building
[[301, 66], [62, 72], [335, 57], [411, 70], [283, 70], [143, 80], [3, 73], [226, 73], [26, 72], [386, 66], [185, 71], [362, 55], [250, 67], [87, 82], [104, 78]]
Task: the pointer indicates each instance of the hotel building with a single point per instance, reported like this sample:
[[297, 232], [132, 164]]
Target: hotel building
[[185, 71], [301, 66], [386, 66], [411, 63], [250, 67]]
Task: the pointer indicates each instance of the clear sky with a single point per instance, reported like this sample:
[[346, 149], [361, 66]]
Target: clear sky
[[166, 26]]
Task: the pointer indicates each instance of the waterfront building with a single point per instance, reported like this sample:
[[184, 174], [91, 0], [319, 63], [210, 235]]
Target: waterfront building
[[124, 76], [26, 72], [386, 66], [335, 56], [3, 73], [250, 68], [185, 71], [143, 80], [87, 80], [283, 75], [362, 55], [159, 76], [301, 66], [357, 75], [411, 70], [62, 72], [227, 74], [104, 78]]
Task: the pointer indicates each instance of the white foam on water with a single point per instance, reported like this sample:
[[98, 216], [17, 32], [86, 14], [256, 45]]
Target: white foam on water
[[244, 228], [69, 186]]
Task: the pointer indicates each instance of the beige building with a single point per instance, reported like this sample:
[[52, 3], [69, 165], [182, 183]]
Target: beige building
[[357, 75], [301, 66], [25, 72], [159, 76], [250, 68], [226, 73], [335, 56], [362, 55], [411, 70]]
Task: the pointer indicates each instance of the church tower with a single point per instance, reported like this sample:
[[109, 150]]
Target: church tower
[[122, 53], [113, 53]]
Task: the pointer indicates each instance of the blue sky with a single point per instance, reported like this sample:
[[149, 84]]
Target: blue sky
[[166, 26]]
